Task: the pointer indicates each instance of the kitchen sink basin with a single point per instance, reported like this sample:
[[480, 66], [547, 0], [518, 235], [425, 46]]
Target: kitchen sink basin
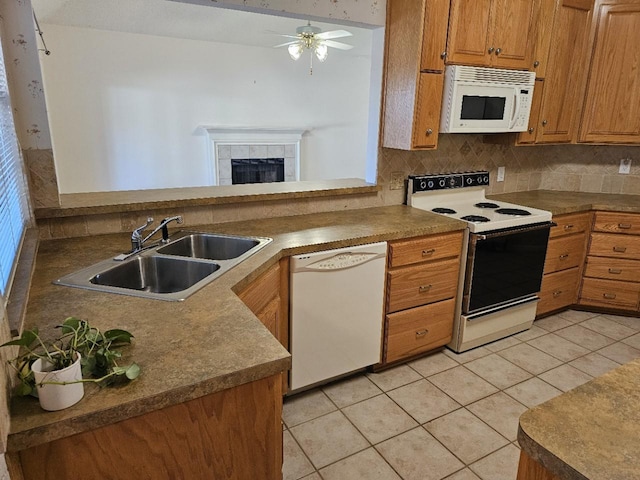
[[167, 272], [210, 246], [155, 274]]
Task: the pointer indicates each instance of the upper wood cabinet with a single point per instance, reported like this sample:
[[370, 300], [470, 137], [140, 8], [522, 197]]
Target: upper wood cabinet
[[565, 73], [414, 65], [492, 33], [612, 103]]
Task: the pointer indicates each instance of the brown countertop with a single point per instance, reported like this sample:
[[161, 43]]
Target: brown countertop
[[560, 203], [209, 342], [591, 432]]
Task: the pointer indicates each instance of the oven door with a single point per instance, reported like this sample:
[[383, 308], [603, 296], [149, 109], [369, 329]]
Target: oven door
[[504, 266]]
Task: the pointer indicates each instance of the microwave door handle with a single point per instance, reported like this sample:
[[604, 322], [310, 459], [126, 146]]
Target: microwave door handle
[[516, 109]]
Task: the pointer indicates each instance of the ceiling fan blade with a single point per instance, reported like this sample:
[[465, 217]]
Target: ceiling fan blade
[[339, 45], [333, 34], [285, 44]]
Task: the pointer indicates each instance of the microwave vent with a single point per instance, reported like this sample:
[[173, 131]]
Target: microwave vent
[[492, 75]]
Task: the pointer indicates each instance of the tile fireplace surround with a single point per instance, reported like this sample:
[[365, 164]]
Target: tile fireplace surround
[[239, 143]]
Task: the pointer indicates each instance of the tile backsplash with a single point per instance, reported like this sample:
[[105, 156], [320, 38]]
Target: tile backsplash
[[580, 168]]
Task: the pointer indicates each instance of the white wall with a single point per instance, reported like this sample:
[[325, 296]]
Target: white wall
[[124, 108]]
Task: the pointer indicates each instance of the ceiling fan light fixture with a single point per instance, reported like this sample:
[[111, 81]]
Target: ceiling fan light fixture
[[295, 51], [322, 52]]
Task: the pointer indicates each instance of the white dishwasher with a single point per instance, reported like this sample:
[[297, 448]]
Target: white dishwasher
[[337, 301]]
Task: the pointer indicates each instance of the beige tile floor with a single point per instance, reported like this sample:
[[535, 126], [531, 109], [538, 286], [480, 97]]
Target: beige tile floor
[[449, 416]]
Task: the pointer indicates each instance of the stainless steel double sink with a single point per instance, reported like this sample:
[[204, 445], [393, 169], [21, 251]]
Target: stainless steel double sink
[[170, 271]]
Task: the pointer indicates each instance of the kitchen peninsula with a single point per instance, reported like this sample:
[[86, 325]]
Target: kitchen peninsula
[[590, 432], [209, 398]]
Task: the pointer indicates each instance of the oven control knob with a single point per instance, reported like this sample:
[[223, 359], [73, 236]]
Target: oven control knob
[[430, 183], [452, 182], [486, 179], [469, 180], [441, 182], [423, 184]]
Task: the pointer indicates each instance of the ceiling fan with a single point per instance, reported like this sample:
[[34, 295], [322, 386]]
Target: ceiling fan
[[308, 37]]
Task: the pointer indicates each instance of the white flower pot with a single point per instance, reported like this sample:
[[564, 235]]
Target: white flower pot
[[58, 397]]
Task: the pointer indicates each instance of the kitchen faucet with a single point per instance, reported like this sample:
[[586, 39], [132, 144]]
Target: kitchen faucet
[[137, 242]]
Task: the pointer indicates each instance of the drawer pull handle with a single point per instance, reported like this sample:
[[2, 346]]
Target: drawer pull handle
[[563, 256], [424, 288], [609, 296], [624, 226], [557, 293], [426, 253], [620, 249], [568, 226], [421, 333], [616, 271]]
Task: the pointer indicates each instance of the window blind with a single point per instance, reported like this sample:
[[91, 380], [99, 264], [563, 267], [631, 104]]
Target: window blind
[[14, 208]]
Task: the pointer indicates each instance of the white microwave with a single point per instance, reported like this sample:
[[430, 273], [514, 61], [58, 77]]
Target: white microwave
[[486, 100]]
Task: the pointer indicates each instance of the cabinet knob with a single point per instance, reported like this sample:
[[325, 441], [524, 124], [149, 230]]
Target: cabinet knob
[[491, 49], [620, 249], [624, 226], [421, 333], [531, 129], [568, 226], [557, 293], [498, 51], [609, 296], [536, 63], [615, 271], [443, 55], [426, 253], [424, 288], [564, 256], [429, 131], [544, 123]]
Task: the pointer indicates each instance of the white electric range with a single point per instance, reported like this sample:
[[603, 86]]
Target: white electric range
[[503, 255]]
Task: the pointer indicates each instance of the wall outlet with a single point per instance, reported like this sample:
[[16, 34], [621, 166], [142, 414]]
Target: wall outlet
[[625, 165], [500, 174], [397, 181]]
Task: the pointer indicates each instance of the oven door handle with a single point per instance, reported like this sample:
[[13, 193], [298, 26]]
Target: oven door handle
[[511, 231]]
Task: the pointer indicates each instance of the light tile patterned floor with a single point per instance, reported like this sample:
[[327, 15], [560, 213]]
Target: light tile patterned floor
[[449, 416]]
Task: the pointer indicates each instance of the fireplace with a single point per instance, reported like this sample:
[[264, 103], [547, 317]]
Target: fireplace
[[259, 170], [241, 155]]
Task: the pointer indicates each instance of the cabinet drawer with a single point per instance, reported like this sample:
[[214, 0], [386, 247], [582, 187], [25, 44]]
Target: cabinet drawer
[[609, 293], [564, 252], [616, 246], [617, 223], [421, 284], [613, 269], [569, 224], [558, 290], [433, 247], [419, 330]]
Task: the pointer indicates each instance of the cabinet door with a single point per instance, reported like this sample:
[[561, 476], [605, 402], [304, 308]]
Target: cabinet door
[[541, 35], [429, 102], [612, 103], [434, 36], [511, 22], [269, 316], [469, 26], [565, 73]]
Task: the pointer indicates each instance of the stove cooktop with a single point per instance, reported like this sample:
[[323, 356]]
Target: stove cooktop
[[462, 196]]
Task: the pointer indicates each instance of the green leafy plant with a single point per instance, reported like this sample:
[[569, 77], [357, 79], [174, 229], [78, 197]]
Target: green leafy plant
[[98, 351]]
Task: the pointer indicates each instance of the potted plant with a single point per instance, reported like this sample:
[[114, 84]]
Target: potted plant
[[57, 370]]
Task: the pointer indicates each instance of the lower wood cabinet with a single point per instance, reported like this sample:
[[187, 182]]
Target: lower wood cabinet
[[612, 270], [419, 329], [559, 289], [235, 434], [422, 284], [563, 264]]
